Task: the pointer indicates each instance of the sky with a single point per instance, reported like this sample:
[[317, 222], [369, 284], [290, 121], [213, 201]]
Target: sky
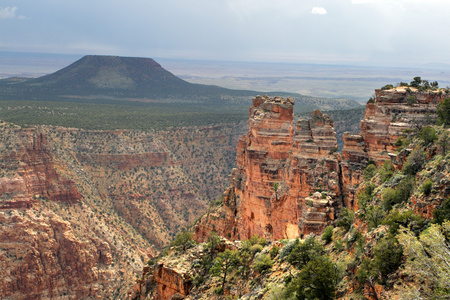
[[351, 32]]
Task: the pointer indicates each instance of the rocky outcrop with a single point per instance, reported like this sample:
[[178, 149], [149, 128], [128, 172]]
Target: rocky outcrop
[[392, 114], [40, 258], [30, 173], [275, 173]]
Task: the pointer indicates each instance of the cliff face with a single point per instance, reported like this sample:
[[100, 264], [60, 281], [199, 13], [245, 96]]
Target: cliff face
[[29, 172], [276, 173], [392, 113], [287, 183], [50, 260]]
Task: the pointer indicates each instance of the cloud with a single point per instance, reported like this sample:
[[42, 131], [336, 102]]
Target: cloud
[[9, 12], [318, 11]]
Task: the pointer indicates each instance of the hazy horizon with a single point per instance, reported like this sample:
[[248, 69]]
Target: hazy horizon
[[322, 80]]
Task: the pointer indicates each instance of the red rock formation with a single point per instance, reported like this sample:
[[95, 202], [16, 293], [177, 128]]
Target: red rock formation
[[170, 282], [32, 174], [391, 113], [40, 258], [390, 116], [275, 173]]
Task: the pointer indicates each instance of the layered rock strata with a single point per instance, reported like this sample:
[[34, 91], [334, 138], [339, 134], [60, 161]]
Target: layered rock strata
[[41, 258], [390, 116], [293, 182], [277, 168], [30, 173]]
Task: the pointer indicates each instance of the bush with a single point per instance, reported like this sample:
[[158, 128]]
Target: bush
[[442, 213], [333, 150], [339, 245], [256, 248], [443, 112], [183, 240], [426, 187], [428, 135], [327, 234], [263, 263], [398, 195], [374, 216], [387, 257], [369, 172], [412, 100], [274, 252], [416, 82], [414, 162], [386, 171], [287, 249], [387, 87], [346, 218], [365, 196], [304, 252], [316, 281], [407, 219]]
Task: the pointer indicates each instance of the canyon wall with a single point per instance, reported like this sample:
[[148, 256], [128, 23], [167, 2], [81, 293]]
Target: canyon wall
[[82, 211], [290, 182]]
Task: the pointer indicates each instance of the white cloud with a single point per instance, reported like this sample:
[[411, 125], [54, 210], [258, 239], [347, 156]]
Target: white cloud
[[8, 12], [318, 11]]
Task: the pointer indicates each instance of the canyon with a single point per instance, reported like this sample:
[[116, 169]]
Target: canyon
[[83, 211], [100, 204]]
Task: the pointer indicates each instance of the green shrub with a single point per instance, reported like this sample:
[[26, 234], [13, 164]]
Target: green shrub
[[274, 252], [374, 216], [197, 280], [428, 135], [257, 240], [263, 263], [333, 150], [183, 240], [346, 218], [366, 272], [426, 187], [387, 87], [414, 162], [412, 100], [407, 219], [386, 171], [416, 82], [442, 213], [287, 249], [443, 112], [304, 252], [327, 234], [387, 257], [398, 195], [369, 172], [339, 245], [316, 281], [256, 248], [365, 196]]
